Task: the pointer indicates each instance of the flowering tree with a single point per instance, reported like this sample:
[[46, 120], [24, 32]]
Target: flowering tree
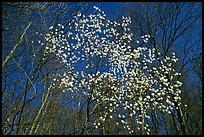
[[109, 79]]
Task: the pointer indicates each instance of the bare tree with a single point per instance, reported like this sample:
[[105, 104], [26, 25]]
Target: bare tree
[[25, 72]]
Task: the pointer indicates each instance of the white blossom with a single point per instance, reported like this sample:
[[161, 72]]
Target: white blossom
[[133, 83]]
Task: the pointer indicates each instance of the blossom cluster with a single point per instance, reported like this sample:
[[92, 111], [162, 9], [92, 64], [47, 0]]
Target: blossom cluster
[[130, 86]]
